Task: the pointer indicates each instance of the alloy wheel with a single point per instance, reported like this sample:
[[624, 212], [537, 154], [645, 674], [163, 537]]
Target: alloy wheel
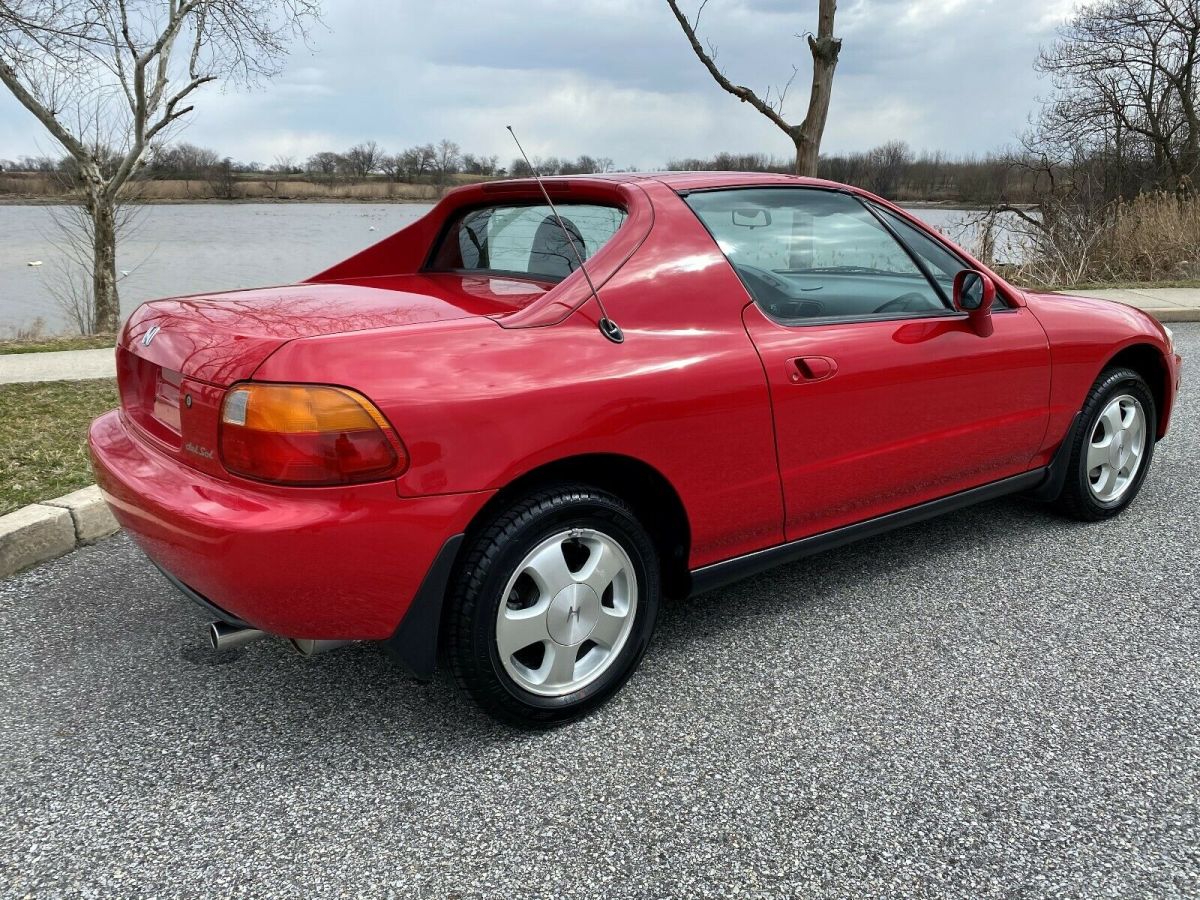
[[567, 612], [1116, 449]]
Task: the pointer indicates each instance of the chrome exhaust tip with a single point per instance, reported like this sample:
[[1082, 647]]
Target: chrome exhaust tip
[[223, 636], [312, 648]]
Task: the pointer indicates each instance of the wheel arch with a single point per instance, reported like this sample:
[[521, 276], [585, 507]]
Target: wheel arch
[[654, 500], [1147, 360]]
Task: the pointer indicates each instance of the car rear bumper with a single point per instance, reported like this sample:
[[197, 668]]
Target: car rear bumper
[[338, 563]]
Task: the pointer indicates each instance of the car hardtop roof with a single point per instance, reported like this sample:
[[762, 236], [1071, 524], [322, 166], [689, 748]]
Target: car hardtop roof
[[693, 181]]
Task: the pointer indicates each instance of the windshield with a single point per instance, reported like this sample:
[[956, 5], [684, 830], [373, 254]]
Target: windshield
[[526, 239]]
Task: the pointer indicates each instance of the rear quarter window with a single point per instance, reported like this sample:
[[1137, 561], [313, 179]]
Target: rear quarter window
[[526, 239]]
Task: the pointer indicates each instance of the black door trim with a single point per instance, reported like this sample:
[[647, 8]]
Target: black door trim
[[718, 575]]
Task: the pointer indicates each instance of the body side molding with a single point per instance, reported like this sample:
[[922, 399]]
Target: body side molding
[[718, 575]]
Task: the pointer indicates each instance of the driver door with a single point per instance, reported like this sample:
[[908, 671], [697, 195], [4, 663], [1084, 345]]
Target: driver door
[[884, 397]]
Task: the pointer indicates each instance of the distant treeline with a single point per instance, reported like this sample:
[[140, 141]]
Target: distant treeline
[[894, 171], [368, 171], [425, 163]]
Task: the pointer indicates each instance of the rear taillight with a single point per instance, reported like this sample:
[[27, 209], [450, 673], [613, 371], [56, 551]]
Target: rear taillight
[[306, 434]]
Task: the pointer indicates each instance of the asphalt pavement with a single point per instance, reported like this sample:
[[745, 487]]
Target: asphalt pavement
[[999, 703]]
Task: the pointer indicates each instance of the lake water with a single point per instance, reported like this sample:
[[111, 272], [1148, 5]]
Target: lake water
[[188, 248]]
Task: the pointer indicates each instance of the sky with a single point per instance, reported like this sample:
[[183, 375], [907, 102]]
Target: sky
[[616, 78]]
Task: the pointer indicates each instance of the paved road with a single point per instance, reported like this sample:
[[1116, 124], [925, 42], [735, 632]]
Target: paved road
[[999, 703]]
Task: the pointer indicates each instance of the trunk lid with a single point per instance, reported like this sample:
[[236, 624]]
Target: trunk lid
[[223, 338], [176, 357]]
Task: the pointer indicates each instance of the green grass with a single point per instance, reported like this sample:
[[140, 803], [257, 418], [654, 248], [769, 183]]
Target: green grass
[[43, 427], [49, 344]]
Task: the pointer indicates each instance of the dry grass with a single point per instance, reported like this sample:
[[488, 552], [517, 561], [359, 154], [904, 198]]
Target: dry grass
[[43, 428], [1154, 239], [31, 185], [270, 189]]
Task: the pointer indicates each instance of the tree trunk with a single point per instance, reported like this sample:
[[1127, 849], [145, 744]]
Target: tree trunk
[[106, 308], [825, 50], [808, 154]]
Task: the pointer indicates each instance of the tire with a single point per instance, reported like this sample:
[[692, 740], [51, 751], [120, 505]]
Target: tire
[[539, 630], [1088, 494]]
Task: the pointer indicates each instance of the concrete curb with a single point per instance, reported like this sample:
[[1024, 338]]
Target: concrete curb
[[43, 531], [1175, 314]]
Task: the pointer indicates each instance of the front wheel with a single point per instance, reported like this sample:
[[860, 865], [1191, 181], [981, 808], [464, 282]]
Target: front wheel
[[553, 606], [1112, 447]]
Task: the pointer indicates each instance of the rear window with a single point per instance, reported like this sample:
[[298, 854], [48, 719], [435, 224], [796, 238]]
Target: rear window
[[526, 239]]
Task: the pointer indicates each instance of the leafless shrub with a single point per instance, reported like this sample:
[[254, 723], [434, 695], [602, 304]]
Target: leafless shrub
[[222, 180], [1154, 237], [35, 330], [69, 281]]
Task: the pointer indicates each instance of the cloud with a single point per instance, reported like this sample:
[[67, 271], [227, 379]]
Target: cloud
[[616, 78]]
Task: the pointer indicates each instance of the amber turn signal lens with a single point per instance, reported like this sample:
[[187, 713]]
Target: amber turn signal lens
[[307, 434]]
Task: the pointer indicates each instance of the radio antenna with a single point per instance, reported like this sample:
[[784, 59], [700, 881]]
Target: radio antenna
[[608, 327]]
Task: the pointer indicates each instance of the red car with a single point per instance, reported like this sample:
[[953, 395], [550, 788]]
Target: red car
[[440, 445]]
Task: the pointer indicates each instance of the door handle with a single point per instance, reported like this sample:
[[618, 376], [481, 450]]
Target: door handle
[[807, 369]]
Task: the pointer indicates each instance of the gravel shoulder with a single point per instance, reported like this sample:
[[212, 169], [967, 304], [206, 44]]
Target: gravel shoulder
[[997, 703]]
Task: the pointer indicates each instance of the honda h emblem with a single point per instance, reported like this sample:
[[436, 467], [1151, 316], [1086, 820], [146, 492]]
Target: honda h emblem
[[149, 335]]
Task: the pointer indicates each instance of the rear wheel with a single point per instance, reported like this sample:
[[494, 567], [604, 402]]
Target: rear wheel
[[553, 606], [1112, 449]]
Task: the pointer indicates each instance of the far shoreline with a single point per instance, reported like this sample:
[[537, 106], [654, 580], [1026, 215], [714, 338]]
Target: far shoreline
[[212, 201], [377, 201]]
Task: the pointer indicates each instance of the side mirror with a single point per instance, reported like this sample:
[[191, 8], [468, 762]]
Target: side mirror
[[974, 294]]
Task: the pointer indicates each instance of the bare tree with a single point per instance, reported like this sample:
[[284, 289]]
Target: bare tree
[[1123, 119], [363, 159], [1125, 78], [825, 49], [181, 160], [446, 158], [325, 164], [416, 161], [479, 165], [222, 180], [278, 171], [392, 165], [117, 74], [886, 165]]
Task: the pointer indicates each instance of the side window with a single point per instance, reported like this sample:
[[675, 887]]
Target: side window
[[526, 240], [808, 254], [942, 263]]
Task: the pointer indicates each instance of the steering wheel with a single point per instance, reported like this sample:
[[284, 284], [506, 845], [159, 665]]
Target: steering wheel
[[910, 302]]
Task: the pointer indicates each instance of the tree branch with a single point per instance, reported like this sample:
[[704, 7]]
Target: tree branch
[[742, 93], [70, 143]]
